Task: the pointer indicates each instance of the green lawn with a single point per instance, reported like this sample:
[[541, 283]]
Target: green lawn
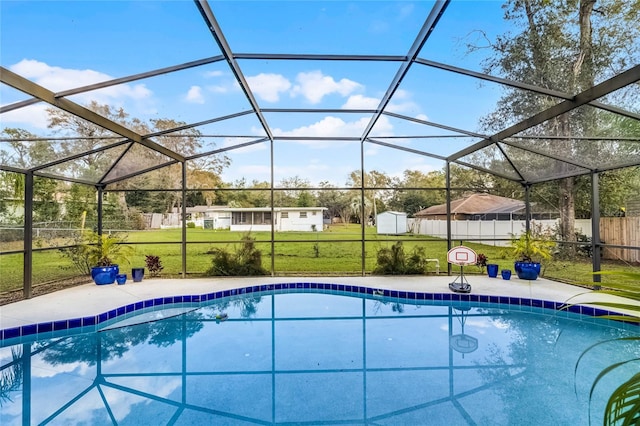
[[318, 253]]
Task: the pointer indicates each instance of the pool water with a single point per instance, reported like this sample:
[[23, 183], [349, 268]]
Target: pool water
[[314, 358]]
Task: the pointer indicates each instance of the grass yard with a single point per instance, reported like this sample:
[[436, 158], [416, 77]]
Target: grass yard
[[335, 251]]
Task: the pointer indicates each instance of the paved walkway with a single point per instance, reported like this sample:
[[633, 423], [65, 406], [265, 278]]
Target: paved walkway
[[90, 299]]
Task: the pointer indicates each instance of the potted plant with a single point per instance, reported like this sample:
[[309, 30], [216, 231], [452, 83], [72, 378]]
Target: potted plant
[[102, 252], [529, 252], [481, 261]]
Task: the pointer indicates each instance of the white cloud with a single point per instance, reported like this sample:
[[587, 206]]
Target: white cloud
[[59, 79], [371, 151], [335, 127], [220, 88], [194, 95], [402, 94], [327, 127], [268, 86], [41, 368], [31, 117], [211, 74], [422, 117], [402, 107], [402, 103], [383, 127], [361, 102], [314, 86]]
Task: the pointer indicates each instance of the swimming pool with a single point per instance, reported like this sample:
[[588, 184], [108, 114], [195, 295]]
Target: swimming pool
[[311, 357]]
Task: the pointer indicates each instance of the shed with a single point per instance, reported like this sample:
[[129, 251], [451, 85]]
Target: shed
[[391, 222]]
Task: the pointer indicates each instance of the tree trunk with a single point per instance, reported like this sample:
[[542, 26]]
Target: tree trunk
[[583, 78], [568, 212]]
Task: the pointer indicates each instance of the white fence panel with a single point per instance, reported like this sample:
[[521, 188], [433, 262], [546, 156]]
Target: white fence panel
[[474, 230]]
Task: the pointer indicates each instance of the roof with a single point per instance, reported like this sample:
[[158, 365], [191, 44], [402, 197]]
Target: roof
[[393, 213], [476, 204], [268, 209]]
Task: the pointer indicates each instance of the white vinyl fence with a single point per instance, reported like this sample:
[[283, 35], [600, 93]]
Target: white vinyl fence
[[476, 230]]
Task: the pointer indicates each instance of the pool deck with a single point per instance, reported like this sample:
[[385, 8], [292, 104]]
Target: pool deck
[[90, 299]]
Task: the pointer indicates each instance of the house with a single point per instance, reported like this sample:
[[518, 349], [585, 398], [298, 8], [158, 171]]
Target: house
[[260, 218], [391, 222], [196, 214], [217, 217], [478, 206]]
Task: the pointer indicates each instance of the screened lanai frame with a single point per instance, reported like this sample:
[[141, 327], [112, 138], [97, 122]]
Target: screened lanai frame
[[512, 137]]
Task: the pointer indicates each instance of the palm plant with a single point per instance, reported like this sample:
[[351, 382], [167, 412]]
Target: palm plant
[[528, 248], [105, 250]]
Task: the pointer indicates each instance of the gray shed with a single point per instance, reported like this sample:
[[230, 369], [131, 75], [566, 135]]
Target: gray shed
[[391, 222]]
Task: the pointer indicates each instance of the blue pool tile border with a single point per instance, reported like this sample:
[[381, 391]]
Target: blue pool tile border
[[97, 322]]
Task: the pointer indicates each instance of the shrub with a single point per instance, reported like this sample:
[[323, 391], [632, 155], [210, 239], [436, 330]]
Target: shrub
[[191, 225], [153, 264], [481, 261], [392, 261], [245, 261]]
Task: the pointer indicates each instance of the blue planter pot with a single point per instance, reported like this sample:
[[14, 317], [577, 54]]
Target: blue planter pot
[[104, 274], [506, 274], [121, 278], [137, 274], [527, 270], [492, 270]]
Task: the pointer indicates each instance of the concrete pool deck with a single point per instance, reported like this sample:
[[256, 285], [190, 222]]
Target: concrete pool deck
[[90, 299]]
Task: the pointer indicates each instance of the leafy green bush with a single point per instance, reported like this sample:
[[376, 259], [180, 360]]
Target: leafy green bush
[[245, 261], [191, 225], [393, 261]]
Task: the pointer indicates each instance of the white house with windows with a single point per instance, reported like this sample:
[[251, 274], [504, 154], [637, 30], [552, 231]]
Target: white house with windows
[[260, 218]]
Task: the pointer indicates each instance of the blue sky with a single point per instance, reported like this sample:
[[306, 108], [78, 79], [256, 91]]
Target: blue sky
[[61, 45]]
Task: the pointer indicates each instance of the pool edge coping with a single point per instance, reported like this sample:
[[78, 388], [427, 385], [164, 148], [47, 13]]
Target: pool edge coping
[[101, 320]]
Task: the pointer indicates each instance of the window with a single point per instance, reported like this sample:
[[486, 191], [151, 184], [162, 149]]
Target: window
[[262, 218], [285, 215], [239, 218], [303, 215]]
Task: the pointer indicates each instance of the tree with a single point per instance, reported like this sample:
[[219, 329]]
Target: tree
[[25, 151], [564, 46], [372, 179], [333, 199], [413, 200], [255, 194], [294, 193], [202, 172], [90, 137], [205, 179]]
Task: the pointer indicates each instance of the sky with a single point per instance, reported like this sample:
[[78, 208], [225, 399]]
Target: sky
[[62, 45]]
